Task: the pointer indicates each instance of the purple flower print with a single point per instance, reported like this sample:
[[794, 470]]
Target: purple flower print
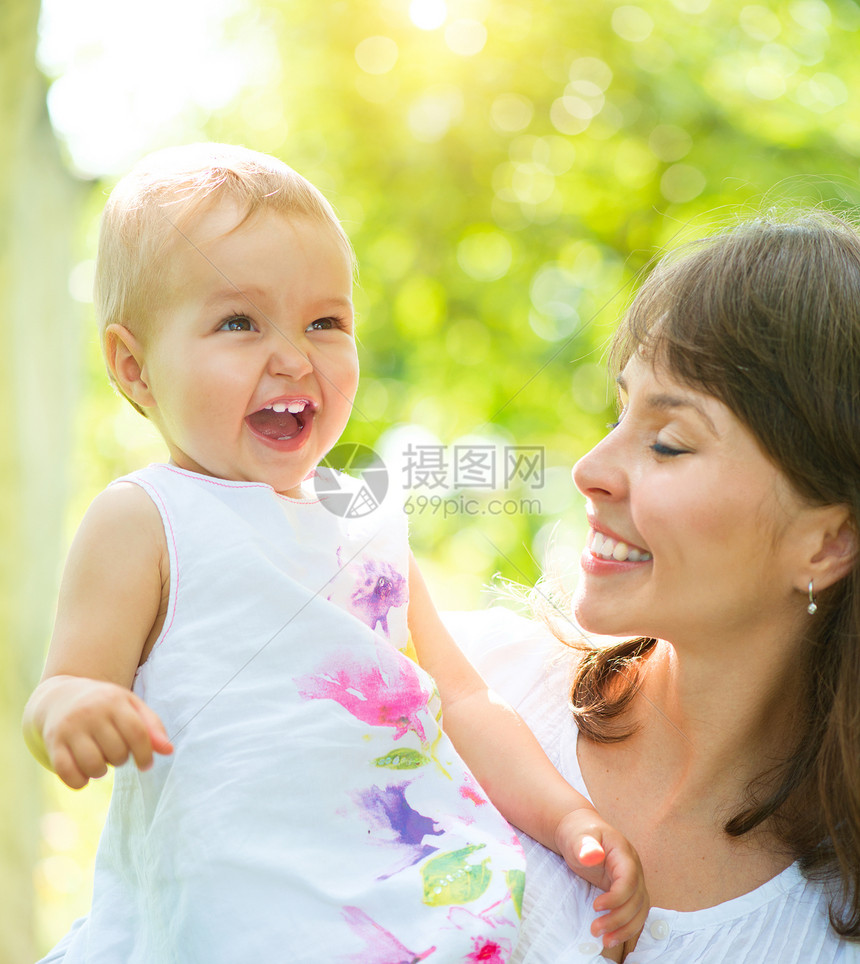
[[382, 946], [372, 590], [396, 824]]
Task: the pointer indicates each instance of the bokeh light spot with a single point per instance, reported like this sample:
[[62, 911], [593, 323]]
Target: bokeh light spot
[[376, 55], [466, 37], [669, 142], [760, 23], [632, 23], [432, 114], [510, 113], [681, 183], [485, 254]]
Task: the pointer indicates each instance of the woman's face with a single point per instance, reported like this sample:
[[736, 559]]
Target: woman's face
[[692, 527]]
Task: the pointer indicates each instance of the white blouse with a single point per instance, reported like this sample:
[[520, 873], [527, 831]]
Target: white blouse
[[785, 921]]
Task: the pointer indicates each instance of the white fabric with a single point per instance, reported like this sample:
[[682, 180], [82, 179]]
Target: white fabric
[[783, 922], [313, 810]]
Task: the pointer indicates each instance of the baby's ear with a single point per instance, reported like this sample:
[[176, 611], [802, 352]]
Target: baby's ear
[[125, 361], [837, 553]]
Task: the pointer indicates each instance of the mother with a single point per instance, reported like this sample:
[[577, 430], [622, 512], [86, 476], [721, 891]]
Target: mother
[[724, 740]]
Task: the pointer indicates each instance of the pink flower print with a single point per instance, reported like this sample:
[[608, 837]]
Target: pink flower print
[[479, 926], [382, 946], [388, 694], [489, 951], [471, 790]]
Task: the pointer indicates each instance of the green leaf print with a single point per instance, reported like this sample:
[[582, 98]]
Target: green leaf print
[[405, 759], [516, 880], [450, 879]]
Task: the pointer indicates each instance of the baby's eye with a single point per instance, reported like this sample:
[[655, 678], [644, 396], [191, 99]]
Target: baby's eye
[[237, 323], [324, 324]]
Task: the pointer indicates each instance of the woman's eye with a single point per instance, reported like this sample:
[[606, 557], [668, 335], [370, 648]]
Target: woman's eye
[[660, 449], [237, 323]]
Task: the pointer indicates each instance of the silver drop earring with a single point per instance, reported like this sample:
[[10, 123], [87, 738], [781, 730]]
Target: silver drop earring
[[812, 608]]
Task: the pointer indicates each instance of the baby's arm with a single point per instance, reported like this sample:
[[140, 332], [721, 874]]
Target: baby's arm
[[83, 715], [512, 767]]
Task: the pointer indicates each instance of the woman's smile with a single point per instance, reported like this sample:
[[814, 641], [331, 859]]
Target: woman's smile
[[609, 547]]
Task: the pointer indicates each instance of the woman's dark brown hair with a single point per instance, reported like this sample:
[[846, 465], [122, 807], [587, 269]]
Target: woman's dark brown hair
[[766, 318]]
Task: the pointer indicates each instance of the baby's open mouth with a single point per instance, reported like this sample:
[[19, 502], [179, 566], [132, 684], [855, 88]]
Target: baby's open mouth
[[281, 421]]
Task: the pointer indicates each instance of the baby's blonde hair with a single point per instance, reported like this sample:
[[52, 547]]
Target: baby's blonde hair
[[154, 204]]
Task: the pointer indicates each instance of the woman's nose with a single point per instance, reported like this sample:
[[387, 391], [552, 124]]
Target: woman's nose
[[600, 473]]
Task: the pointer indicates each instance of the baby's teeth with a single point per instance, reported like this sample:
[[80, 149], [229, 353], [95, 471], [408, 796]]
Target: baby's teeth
[[279, 407], [296, 407]]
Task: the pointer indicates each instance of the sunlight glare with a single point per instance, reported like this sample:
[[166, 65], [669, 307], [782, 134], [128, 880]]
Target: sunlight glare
[[123, 84], [428, 14]]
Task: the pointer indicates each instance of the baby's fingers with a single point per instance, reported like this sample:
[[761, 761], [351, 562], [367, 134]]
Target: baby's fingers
[[68, 770], [622, 923], [87, 756], [146, 733]]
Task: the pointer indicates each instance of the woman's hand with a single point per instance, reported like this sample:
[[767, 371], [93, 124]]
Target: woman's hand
[[597, 852]]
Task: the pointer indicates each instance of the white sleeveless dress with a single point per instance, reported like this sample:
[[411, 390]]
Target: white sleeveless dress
[[313, 810]]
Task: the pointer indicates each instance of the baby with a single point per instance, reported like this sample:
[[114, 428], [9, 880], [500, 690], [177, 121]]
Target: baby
[[294, 795]]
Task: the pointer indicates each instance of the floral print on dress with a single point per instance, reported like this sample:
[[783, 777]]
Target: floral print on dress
[[370, 589], [389, 692]]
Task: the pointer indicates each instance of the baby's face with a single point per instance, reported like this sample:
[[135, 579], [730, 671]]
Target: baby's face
[[252, 363]]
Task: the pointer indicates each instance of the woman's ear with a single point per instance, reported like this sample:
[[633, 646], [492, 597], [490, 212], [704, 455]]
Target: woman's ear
[[837, 552], [125, 361]]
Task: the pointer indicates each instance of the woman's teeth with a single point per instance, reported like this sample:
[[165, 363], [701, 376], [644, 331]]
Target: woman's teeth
[[607, 548]]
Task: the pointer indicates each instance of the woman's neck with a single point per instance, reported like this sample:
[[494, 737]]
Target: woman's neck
[[713, 720]]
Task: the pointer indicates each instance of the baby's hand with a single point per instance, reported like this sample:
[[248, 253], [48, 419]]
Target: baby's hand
[[88, 724], [601, 855]]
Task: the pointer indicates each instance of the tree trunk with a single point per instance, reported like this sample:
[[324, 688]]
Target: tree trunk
[[39, 206]]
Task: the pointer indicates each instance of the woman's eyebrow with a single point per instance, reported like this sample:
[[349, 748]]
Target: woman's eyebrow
[[666, 402]]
